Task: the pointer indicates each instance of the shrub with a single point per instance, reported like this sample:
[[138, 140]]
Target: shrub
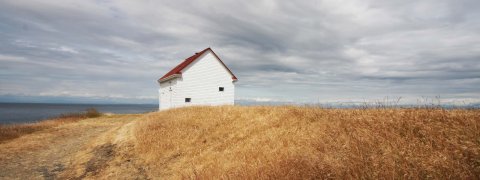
[[92, 112], [89, 113]]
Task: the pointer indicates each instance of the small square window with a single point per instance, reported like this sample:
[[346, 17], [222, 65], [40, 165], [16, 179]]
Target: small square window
[[220, 88], [187, 100]]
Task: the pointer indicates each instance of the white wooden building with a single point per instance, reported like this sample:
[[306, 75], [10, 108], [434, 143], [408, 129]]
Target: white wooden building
[[202, 79]]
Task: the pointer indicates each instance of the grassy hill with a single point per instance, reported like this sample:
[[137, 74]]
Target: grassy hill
[[266, 142], [299, 142]]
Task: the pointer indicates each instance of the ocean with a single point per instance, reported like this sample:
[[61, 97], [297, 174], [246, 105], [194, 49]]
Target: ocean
[[11, 113]]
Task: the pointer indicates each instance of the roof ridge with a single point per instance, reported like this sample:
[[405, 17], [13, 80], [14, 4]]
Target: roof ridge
[[177, 69]]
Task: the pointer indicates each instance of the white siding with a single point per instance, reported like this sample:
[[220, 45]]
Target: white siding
[[166, 93], [200, 81]]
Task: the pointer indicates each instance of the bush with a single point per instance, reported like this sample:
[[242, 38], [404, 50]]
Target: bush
[[89, 113], [92, 112]]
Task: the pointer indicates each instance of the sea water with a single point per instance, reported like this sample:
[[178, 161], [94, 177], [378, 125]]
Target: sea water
[[30, 112]]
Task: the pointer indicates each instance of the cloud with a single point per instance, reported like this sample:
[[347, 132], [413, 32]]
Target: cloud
[[289, 51], [64, 49]]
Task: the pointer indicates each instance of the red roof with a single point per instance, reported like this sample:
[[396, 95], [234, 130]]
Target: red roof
[[188, 61]]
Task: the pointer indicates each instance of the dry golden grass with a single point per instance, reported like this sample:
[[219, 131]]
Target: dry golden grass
[[77, 149], [301, 142], [8, 132]]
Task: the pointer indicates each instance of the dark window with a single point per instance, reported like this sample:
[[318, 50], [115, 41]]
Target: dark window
[[220, 88], [188, 99]]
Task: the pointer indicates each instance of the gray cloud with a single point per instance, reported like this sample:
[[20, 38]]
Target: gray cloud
[[304, 51]]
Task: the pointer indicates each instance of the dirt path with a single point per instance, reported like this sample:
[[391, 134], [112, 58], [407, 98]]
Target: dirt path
[[50, 153]]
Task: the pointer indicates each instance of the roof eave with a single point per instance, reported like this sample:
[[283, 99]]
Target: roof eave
[[173, 76]]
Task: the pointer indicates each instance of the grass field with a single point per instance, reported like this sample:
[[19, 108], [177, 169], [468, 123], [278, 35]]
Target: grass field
[[263, 142], [301, 142], [13, 131]]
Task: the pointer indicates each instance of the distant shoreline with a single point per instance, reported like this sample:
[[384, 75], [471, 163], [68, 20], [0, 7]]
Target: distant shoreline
[[77, 103], [13, 113]]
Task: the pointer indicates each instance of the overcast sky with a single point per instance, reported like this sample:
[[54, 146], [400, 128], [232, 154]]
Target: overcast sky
[[296, 51]]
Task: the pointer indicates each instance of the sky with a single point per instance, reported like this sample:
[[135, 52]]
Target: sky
[[281, 51]]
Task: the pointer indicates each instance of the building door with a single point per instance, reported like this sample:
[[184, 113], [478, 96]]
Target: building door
[[166, 97]]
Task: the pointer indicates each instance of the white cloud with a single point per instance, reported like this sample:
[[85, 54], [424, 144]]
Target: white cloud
[[292, 51], [4, 57], [64, 49]]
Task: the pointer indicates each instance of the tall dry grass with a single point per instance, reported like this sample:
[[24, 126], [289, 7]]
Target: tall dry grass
[[305, 142], [8, 132]]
